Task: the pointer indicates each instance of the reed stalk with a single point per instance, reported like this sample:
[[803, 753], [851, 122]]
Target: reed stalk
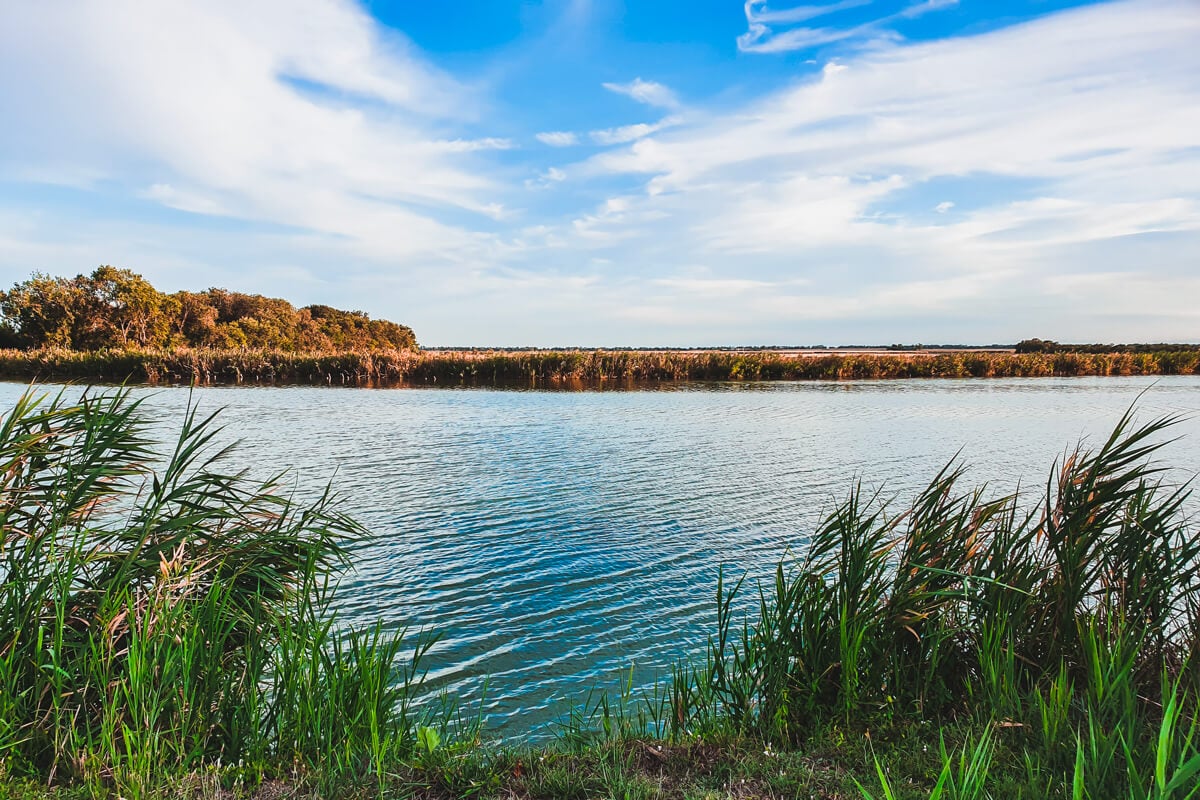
[[572, 369], [160, 614]]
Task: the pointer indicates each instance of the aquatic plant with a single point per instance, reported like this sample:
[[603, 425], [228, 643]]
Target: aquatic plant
[[559, 369], [1074, 621], [162, 617], [159, 614]]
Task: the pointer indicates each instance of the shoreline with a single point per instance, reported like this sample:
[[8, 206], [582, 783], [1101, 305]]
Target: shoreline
[[958, 642], [566, 369]]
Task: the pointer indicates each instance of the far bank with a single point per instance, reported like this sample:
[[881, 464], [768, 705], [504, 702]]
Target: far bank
[[567, 369]]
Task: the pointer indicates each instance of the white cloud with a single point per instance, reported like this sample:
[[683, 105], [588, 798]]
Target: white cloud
[[648, 92], [308, 115], [473, 145], [1064, 147], [757, 11], [719, 287], [1093, 107], [557, 138], [169, 196], [924, 7], [546, 179], [761, 37], [631, 133]]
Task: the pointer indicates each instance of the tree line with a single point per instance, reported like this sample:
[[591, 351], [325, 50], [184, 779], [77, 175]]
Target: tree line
[[1050, 346], [118, 309]]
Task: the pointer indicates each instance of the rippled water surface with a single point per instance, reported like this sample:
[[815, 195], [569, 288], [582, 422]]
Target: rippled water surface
[[556, 539]]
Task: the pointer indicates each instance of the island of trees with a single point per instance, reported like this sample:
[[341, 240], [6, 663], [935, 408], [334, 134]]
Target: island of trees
[[118, 309]]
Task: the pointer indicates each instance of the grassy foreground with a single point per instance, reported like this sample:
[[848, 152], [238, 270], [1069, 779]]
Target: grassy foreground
[[567, 368], [165, 630]]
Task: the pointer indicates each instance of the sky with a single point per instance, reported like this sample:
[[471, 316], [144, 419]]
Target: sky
[[607, 173]]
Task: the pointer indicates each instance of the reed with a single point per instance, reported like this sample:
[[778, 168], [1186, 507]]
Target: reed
[[560, 369], [159, 614], [1072, 622], [1054, 638]]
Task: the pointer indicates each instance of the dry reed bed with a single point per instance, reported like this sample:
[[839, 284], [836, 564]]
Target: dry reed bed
[[559, 368]]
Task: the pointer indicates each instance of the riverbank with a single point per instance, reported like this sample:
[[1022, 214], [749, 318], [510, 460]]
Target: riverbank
[[165, 630], [563, 369], [841, 765]]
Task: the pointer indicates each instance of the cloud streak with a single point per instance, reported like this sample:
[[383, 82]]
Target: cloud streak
[[762, 34], [631, 133], [960, 189], [557, 138], [311, 117], [647, 92]]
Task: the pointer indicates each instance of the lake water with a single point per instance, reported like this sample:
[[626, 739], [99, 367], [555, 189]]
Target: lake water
[[555, 539]]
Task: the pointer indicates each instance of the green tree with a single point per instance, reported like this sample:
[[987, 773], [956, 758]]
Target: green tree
[[43, 311], [195, 321], [127, 310], [1036, 346], [118, 308]]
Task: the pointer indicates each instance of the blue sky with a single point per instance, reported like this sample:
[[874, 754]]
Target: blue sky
[[595, 172]]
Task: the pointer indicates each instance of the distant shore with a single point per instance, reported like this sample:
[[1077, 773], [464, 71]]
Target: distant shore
[[568, 368]]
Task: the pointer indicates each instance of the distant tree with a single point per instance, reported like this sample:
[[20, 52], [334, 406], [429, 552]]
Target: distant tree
[[42, 311], [251, 320], [127, 310], [118, 308], [195, 321], [1036, 346], [355, 329]]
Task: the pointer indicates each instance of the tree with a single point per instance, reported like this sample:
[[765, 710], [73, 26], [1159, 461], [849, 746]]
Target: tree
[[128, 311], [195, 321], [42, 311], [1036, 346], [118, 308]]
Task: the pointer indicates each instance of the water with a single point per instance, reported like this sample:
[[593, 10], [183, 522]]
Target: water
[[556, 539]]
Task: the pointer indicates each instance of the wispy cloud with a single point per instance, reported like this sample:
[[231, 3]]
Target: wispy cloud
[[306, 115], [816, 176], [631, 133], [171, 197], [941, 190], [648, 92], [557, 138], [473, 145], [764, 35], [546, 179], [758, 12]]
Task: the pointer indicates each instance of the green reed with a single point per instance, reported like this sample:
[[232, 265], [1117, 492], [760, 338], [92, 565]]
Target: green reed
[[1061, 629], [563, 369], [1074, 622], [160, 615]]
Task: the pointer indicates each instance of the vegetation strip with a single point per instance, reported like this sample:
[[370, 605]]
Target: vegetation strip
[[118, 309], [112, 326], [165, 628], [557, 369]]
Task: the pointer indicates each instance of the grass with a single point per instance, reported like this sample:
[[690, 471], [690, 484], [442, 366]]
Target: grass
[[1068, 627], [565, 369], [165, 629], [156, 619]]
